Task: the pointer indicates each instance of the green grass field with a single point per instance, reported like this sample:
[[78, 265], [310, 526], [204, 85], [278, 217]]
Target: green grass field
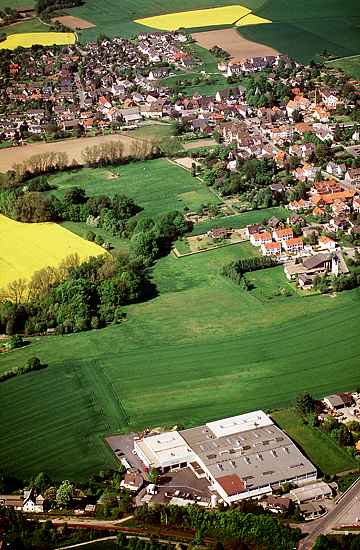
[[202, 349], [350, 65], [241, 220], [304, 29], [157, 186], [34, 25], [319, 447]]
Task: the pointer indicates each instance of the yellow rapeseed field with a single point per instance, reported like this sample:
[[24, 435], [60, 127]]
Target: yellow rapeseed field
[[197, 18], [26, 40], [28, 247], [251, 19]]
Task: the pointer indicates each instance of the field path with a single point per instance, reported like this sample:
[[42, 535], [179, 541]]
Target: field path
[[73, 147]]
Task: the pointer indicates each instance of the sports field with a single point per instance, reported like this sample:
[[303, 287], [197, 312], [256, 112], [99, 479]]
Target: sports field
[[156, 186], [26, 40], [28, 247], [202, 349]]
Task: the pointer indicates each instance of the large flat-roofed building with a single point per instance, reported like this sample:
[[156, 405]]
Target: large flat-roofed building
[[164, 451], [244, 456]]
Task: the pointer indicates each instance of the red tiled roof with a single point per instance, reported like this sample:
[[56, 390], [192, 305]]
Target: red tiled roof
[[232, 484]]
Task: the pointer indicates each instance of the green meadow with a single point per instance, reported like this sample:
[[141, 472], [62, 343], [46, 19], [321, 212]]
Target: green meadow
[[350, 65], [319, 447], [156, 186], [202, 349]]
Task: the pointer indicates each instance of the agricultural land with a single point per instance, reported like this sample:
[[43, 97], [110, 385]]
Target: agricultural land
[[169, 352], [27, 40], [26, 248]]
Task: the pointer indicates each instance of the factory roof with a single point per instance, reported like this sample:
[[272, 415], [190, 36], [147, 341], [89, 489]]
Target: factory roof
[[239, 423]]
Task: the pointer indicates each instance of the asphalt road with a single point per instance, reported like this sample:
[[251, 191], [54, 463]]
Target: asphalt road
[[346, 512]]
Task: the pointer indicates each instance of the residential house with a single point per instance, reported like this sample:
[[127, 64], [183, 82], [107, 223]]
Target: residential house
[[12, 501], [299, 206], [338, 401], [252, 229], [306, 172], [352, 175], [281, 235], [158, 72], [33, 502], [327, 243], [277, 504], [257, 239], [329, 98], [132, 481], [271, 249], [311, 510], [337, 170], [293, 245]]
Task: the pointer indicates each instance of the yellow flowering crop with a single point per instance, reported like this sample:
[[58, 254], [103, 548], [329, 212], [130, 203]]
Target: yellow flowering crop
[[28, 247], [26, 40], [226, 15]]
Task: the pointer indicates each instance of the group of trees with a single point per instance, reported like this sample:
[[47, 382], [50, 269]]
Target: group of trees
[[46, 8], [114, 152], [251, 179], [262, 92], [261, 530], [25, 205], [76, 297], [338, 283]]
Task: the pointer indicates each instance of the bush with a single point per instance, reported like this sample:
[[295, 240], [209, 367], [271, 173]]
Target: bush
[[91, 236], [99, 240]]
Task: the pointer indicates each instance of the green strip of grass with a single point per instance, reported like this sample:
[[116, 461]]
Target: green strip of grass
[[321, 450]]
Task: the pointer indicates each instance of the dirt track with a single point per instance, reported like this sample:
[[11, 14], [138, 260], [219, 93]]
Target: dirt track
[[231, 41], [73, 147]]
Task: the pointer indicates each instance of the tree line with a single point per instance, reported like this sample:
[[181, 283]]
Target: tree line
[[262, 530], [32, 364], [236, 270]]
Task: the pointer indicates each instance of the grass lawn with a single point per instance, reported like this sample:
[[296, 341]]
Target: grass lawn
[[350, 65], [241, 220], [157, 186], [319, 447], [202, 349]]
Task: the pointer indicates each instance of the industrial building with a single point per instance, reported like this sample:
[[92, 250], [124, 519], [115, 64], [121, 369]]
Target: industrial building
[[244, 456]]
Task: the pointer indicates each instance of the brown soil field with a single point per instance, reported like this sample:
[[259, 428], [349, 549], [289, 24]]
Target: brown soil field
[[73, 147], [232, 42], [74, 23]]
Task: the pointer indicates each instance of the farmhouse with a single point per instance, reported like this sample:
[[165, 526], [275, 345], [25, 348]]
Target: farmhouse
[[241, 457]]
